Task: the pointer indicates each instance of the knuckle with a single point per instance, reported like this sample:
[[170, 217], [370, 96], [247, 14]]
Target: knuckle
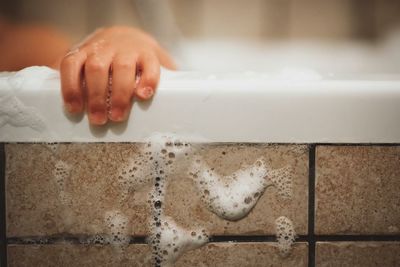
[[68, 62], [96, 65], [124, 64]]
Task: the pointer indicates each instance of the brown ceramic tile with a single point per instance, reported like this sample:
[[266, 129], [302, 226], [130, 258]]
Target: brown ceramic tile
[[77, 255], [213, 254], [186, 207], [36, 206], [354, 254], [357, 190], [244, 254], [34, 203]]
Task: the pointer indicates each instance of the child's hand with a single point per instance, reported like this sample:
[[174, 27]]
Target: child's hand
[[131, 58]]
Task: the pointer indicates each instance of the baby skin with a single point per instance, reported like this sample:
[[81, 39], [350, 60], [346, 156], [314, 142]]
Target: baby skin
[[126, 56]]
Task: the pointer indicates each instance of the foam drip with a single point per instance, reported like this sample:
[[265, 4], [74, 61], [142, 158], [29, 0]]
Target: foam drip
[[61, 173], [285, 235], [230, 197], [117, 224], [167, 239]]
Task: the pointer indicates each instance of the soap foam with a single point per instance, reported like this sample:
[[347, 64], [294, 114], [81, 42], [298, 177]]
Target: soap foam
[[12, 110], [231, 197], [169, 241], [282, 180], [53, 147], [15, 113], [285, 235], [61, 173], [117, 224]]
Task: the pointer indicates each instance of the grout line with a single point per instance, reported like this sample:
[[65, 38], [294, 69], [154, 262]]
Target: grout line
[[83, 240], [357, 238], [76, 239], [311, 206], [3, 241], [224, 143], [67, 239]]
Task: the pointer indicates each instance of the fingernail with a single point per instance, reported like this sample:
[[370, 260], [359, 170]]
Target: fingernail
[[97, 117], [146, 92], [117, 114]]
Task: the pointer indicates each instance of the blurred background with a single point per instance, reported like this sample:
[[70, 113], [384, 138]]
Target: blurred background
[[289, 23]]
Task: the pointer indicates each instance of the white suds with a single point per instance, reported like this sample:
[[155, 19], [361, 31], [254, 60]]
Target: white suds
[[53, 147], [15, 113], [117, 224], [12, 110], [285, 235], [282, 180], [169, 241], [230, 197], [61, 173]]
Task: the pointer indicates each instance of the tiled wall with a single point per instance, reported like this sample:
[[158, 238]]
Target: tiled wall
[[344, 205]]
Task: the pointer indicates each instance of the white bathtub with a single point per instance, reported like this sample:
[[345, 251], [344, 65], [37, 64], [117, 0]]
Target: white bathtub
[[301, 93]]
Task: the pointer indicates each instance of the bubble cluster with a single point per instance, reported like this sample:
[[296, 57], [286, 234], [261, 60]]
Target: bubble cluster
[[136, 173], [282, 180], [285, 235], [230, 197], [61, 173], [97, 240], [169, 241], [15, 113], [53, 147], [117, 224]]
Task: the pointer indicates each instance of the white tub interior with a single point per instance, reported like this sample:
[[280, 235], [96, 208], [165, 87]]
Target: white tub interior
[[230, 91]]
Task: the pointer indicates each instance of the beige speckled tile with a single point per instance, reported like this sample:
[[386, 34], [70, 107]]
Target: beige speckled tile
[[213, 254], [244, 254], [78, 255], [358, 254], [357, 190], [36, 206], [185, 206]]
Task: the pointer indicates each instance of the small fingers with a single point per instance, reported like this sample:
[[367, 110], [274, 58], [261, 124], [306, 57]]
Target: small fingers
[[123, 86], [149, 68], [97, 69], [165, 59], [71, 81]]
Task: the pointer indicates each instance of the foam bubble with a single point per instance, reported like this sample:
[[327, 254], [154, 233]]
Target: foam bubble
[[53, 147], [169, 241], [15, 113], [285, 235], [282, 180], [61, 173], [117, 224], [230, 197]]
